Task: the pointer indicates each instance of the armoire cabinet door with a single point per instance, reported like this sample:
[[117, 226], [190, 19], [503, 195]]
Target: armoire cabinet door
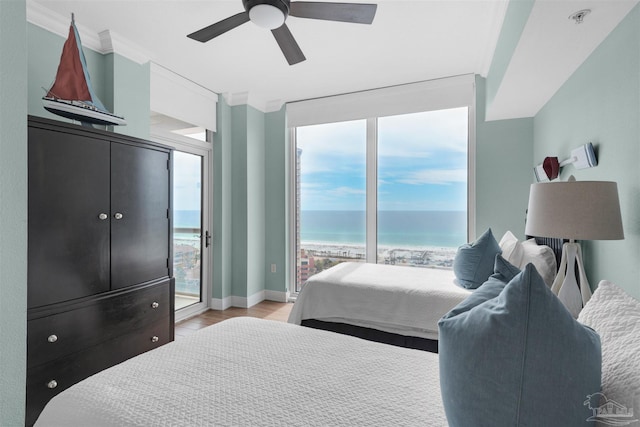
[[139, 215], [69, 207]]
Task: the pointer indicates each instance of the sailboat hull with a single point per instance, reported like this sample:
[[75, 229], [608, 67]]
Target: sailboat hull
[[82, 113]]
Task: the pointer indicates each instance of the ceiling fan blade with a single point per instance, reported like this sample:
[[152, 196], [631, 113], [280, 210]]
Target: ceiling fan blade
[[359, 13], [288, 45], [214, 30]]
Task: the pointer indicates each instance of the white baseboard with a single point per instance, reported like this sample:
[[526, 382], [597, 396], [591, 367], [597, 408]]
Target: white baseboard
[[220, 303], [246, 302], [250, 301], [277, 296], [235, 301]]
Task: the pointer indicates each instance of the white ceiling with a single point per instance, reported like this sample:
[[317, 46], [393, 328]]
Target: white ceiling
[[551, 48], [409, 41]]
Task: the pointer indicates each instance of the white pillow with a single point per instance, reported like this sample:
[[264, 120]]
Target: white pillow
[[511, 249], [543, 259], [522, 253], [615, 316]]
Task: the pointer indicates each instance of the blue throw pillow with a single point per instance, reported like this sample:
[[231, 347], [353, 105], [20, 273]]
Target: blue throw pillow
[[503, 272], [473, 263], [518, 359]]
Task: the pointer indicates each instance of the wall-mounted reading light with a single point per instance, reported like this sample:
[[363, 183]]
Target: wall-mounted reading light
[[582, 157]]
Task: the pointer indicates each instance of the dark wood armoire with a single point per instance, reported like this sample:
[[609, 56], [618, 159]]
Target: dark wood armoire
[[100, 271]]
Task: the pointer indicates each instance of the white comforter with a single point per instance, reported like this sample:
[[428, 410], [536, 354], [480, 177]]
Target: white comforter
[[402, 300], [250, 372]]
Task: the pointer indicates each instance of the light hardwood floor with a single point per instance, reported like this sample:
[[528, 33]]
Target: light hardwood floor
[[265, 310]]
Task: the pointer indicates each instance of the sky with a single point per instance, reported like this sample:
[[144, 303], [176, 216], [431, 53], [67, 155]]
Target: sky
[[187, 181], [422, 163]]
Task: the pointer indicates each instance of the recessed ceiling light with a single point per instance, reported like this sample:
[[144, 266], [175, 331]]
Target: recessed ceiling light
[[579, 15]]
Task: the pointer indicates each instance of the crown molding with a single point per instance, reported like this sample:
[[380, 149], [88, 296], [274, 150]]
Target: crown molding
[[114, 43], [236, 98], [104, 42], [273, 106], [244, 98], [57, 24]]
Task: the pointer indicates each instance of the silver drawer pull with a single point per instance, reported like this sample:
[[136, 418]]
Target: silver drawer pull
[[103, 216], [52, 384], [52, 338], [155, 304], [118, 215], [154, 339]]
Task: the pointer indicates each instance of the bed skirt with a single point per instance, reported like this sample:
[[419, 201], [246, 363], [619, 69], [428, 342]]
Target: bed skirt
[[370, 334]]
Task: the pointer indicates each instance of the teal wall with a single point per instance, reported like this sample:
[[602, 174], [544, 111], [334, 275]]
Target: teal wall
[[251, 185], [255, 201], [600, 103], [247, 201], [276, 187], [239, 260], [129, 91], [503, 170], [13, 211], [222, 203]]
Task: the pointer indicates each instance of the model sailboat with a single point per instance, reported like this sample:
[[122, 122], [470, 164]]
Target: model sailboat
[[72, 95]]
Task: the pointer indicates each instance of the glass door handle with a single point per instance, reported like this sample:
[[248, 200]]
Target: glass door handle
[[207, 239]]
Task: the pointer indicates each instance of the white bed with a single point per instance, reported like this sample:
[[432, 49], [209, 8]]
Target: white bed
[[402, 305], [250, 372], [399, 300]]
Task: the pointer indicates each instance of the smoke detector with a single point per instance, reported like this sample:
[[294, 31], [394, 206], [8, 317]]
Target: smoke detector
[[579, 15]]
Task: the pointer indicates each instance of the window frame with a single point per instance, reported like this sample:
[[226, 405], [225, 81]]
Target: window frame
[[441, 94], [371, 246]]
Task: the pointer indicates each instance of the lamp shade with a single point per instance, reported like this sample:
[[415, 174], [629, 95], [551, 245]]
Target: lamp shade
[[578, 210]]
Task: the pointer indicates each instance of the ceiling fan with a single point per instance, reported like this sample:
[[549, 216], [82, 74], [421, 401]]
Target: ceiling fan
[[271, 14]]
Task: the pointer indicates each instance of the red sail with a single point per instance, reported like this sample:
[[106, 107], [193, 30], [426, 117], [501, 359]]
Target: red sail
[[70, 83]]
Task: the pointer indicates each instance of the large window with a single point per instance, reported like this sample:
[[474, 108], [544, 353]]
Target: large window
[[422, 187], [389, 190], [331, 196]]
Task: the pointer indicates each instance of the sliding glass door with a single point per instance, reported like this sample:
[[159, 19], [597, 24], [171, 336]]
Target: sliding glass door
[[187, 228], [192, 205]]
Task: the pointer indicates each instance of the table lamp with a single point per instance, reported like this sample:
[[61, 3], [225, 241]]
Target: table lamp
[[574, 210]]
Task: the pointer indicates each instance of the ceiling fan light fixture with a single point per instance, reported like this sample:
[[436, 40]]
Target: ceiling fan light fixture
[[272, 14], [266, 16]]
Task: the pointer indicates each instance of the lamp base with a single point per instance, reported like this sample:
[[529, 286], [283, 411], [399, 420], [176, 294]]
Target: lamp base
[[565, 285]]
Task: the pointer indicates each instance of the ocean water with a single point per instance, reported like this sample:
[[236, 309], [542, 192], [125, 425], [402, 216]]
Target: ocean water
[[447, 229], [186, 219]]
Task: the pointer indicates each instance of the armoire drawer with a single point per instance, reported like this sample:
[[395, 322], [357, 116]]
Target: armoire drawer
[[47, 380], [58, 335]]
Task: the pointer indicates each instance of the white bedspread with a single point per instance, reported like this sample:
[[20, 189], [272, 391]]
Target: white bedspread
[[250, 372], [402, 300]]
